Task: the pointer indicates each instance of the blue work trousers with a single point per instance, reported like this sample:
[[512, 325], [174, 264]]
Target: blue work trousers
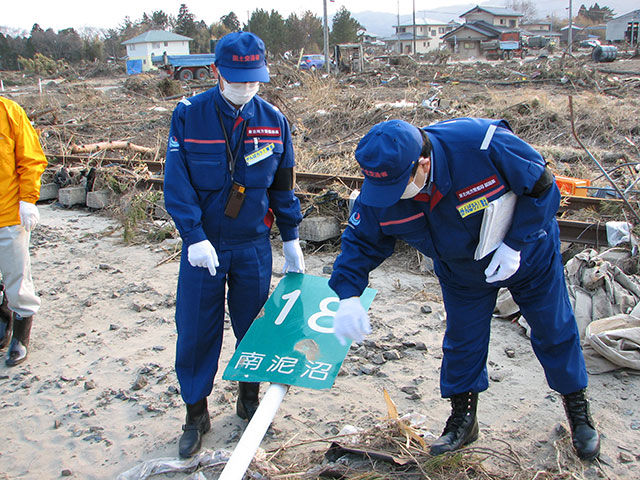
[[245, 274], [541, 293]]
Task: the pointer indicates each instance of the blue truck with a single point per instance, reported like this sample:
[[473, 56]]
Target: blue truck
[[186, 67]]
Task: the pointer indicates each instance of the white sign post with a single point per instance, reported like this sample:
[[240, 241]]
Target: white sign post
[[292, 344], [254, 433]]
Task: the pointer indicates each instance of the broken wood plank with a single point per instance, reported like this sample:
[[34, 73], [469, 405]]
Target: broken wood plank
[[97, 147]]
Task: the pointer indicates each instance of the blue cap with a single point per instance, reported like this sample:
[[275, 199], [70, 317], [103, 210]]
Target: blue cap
[[240, 58], [387, 154]]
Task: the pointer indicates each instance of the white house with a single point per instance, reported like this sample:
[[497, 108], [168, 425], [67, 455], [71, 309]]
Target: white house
[[625, 28], [427, 36], [152, 43]]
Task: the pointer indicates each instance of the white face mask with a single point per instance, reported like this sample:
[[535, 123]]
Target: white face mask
[[412, 189], [239, 93]]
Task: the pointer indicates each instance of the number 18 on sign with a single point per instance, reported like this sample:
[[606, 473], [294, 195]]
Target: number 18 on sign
[[293, 343]]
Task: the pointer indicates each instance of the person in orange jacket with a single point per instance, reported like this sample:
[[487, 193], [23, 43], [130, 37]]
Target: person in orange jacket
[[22, 162]]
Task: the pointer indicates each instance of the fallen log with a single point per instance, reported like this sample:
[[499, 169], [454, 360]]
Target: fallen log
[[97, 147], [617, 72]]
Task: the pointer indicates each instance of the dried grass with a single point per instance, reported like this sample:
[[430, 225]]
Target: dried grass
[[408, 460], [329, 115]]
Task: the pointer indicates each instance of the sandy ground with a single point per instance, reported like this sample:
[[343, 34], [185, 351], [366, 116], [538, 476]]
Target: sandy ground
[[98, 394]]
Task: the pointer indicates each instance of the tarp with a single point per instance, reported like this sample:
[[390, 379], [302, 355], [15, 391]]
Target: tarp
[[613, 342], [606, 303], [134, 67]]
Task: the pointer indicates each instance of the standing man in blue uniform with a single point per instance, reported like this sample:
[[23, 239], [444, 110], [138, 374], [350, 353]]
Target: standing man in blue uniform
[[432, 188], [229, 171]]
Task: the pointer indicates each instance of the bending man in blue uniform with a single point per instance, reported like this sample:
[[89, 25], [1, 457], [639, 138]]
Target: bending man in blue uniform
[[229, 170], [432, 188]]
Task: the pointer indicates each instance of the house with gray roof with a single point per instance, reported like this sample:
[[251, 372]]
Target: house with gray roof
[[466, 40], [142, 48], [498, 16], [483, 24]]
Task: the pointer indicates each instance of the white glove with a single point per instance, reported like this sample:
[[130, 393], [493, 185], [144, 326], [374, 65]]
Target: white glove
[[351, 321], [293, 258], [504, 264], [29, 215], [202, 254]]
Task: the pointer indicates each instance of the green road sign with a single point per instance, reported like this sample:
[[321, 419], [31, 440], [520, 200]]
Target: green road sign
[[293, 343]]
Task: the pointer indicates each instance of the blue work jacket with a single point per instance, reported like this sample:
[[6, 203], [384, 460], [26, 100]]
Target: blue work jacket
[[198, 180], [474, 161]]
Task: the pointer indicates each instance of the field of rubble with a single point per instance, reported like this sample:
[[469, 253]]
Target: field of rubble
[[98, 397], [574, 111]]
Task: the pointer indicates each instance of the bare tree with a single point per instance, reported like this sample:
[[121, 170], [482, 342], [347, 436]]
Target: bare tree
[[526, 7]]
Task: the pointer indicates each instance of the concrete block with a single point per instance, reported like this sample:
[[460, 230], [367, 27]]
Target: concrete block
[[48, 191], [319, 229], [99, 199], [72, 196]]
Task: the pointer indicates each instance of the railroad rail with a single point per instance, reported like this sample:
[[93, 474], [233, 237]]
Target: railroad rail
[[97, 161], [574, 231]]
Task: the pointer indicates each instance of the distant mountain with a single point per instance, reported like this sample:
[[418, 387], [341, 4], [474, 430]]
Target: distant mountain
[[382, 24]]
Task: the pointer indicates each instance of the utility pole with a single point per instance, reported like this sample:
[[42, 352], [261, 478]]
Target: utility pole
[[570, 34], [326, 38], [414, 27], [398, 29]]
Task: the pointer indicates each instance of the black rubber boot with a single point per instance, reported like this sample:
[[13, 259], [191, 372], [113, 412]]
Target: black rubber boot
[[6, 320], [462, 425], [584, 436], [248, 402], [17, 352], [196, 424]]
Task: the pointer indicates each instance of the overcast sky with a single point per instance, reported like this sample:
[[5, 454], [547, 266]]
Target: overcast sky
[[109, 14], [22, 14]]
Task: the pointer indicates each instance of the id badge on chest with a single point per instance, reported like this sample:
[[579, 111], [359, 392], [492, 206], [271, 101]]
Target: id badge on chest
[[259, 154]]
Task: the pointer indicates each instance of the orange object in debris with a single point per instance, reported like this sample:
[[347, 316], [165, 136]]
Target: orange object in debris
[[572, 186]]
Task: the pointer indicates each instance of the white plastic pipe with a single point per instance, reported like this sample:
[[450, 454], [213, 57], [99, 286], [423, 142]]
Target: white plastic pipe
[[254, 433]]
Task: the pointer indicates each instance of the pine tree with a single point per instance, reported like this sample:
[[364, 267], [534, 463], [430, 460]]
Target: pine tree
[[344, 27]]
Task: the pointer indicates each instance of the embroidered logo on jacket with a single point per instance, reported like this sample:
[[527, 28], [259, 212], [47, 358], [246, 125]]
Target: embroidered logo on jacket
[[473, 206], [263, 131], [173, 143], [354, 219], [476, 188]]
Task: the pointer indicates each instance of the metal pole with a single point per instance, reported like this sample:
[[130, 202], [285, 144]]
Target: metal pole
[[414, 27], [254, 433], [398, 29], [570, 33], [326, 38]]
